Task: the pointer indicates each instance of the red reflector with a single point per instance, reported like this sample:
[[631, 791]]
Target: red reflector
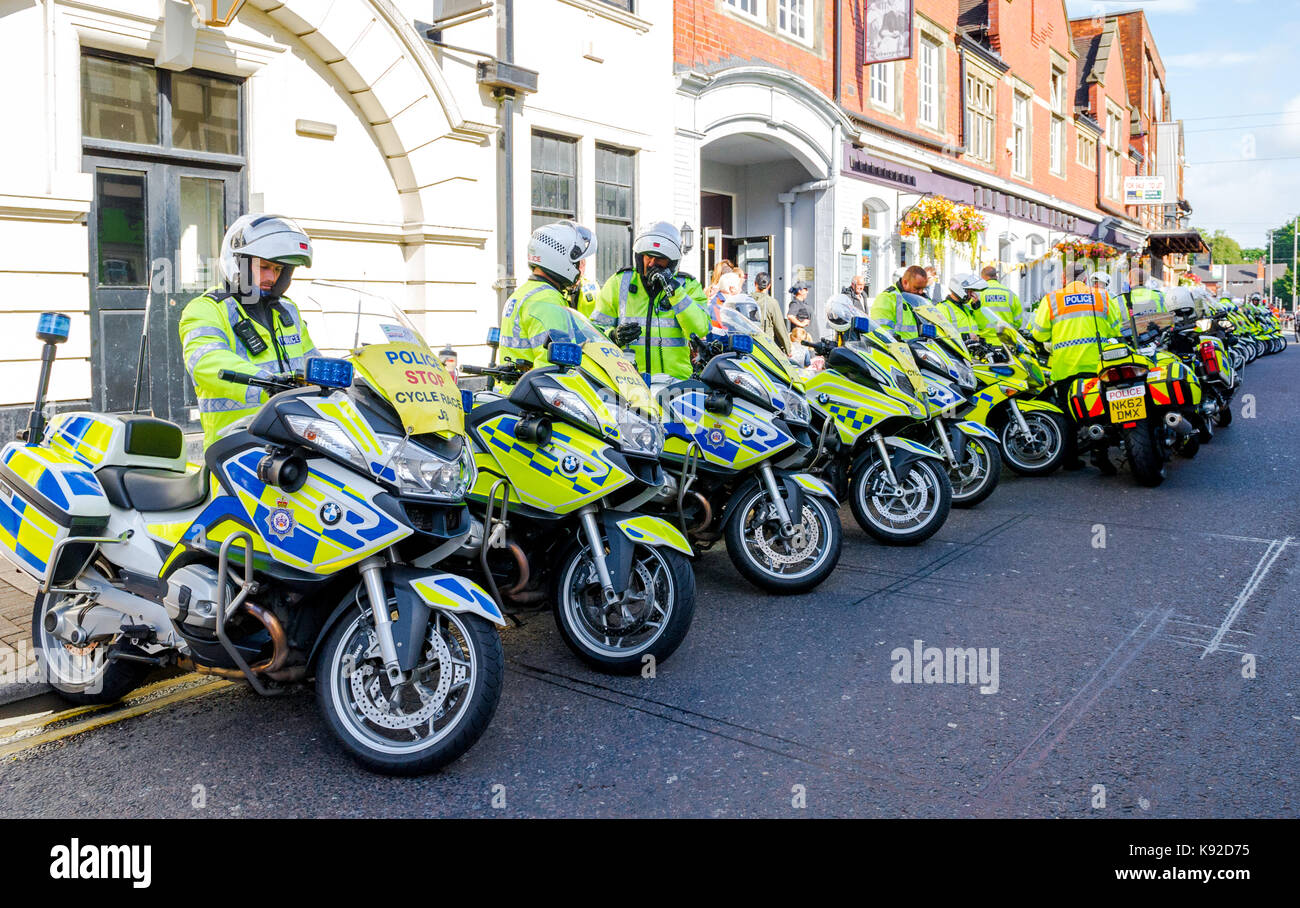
[[1130, 425], [1178, 391], [302, 245]]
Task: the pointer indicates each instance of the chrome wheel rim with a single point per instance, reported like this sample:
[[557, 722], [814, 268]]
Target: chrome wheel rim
[[907, 507], [1038, 449], [970, 477], [785, 558], [631, 624]]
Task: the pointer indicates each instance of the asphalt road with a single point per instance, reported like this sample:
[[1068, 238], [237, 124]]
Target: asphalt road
[[1120, 667]]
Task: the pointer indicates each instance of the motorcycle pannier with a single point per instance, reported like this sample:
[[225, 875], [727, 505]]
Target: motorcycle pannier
[[46, 496]]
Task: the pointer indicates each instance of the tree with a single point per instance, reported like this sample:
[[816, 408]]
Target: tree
[[1254, 254], [1224, 250], [1282, 289]]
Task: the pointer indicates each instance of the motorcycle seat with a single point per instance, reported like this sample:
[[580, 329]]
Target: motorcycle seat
[[143, 489]]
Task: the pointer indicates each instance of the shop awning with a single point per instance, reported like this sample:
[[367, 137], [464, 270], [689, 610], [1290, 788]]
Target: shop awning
[[1166, 242]]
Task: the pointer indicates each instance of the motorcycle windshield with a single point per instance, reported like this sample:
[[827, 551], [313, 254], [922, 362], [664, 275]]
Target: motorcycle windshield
[[604, 363], [387, 351], [930, 313]]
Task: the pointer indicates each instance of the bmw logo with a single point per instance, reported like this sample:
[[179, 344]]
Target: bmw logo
[[330, 513], [570, 464], [823, 398], [746, 430]]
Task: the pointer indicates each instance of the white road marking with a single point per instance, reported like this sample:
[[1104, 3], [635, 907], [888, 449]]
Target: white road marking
[[1275, 549]]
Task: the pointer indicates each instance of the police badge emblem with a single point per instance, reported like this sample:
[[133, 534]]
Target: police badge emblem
[[280, 521]]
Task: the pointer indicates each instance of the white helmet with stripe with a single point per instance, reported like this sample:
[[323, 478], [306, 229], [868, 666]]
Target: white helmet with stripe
[[263, 236], [660, 238]]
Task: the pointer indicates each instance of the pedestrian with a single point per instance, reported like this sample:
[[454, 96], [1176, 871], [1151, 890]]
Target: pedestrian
[[724, 266], [774, 321], [799, 316], [1073, 322], [933, 286], [857, 291], [892, 311]]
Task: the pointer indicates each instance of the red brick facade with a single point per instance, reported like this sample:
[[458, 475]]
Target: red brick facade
[[1032, 38]]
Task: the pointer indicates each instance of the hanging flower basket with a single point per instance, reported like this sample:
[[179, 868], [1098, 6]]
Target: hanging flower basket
[[937, 221]]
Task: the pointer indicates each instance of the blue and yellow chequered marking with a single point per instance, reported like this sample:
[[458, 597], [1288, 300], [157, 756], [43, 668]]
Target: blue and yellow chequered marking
[[26, 535], [854, 407], [814, 485], [654, 531], [562, 476], [84, 437], [457, 594], [719, 437], [59, 476], [307, 544]]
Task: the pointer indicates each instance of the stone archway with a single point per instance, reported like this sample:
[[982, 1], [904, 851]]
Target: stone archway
[[388, 70]]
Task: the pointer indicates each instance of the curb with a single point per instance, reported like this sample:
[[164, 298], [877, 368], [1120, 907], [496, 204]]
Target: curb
[[22, 690]]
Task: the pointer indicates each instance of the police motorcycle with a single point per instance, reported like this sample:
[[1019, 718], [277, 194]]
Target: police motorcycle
[[1142, 401], [1014, 401], [969, 447], [306, 545], [870, 393], [737, 439], [1216, 321], [1204, 353], [568, 461]]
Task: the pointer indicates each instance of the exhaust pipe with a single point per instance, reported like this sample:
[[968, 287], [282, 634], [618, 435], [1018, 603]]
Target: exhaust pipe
[[1096, 432], [279, 649], [1179, 424]]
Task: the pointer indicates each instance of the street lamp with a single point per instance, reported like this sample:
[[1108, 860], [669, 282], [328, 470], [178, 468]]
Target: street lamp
[[846, 239], [688, 237], [216, 13]]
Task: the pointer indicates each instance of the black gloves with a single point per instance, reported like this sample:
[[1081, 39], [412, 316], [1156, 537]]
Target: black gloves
[[625, 333], [659, 281]]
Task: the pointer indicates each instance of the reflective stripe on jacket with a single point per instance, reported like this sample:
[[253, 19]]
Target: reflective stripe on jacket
[[209, 344], [1000, 301], [669, 327], [1074, 321]]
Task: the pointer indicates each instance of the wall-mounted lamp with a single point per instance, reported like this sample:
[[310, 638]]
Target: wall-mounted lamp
[[846, 239], [688, 237]]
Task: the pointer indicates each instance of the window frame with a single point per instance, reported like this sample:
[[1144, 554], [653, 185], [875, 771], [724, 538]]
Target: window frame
[[980, 122], [630, 221], [1085, 141], [1021, 134], [888, 70], [932, 87], [759, 14], [785, 9], [533, 169]]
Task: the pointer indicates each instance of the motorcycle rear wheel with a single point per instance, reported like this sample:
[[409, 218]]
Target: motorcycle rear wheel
[[652, 620], [907, 515], [81, 675], [1144, 455], [759, 553], [442, 710]]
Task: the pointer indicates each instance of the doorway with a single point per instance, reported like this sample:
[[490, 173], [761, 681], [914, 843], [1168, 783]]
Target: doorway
[[166, 154]]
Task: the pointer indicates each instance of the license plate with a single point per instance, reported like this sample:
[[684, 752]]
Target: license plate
[[1127, 404]]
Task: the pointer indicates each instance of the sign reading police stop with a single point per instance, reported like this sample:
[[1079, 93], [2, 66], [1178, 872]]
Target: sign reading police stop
[[417, 385]]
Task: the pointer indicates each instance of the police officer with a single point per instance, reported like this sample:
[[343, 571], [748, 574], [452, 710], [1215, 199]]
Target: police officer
[[538, 311], [998, 299], [1100, 280], [653, 309], [1140, 297], [247, 325], [1073, 322], [891, 310], [968, 314]]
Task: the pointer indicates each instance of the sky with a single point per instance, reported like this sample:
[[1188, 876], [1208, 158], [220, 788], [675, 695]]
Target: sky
[[1233, 81]]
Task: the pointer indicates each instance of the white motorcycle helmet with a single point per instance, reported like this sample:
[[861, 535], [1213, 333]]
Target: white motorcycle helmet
[[964, 284], [263, 236], [660, 238], [840, 313], [558, 248]]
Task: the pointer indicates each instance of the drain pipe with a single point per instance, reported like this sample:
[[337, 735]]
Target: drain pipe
[[787, 199], [506, 162]]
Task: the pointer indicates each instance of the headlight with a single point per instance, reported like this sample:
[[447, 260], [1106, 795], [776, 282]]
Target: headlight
[[747, 383], [572, 406], [796, 407], [328, 436], [422, 473], [965, 376], [640, 435]]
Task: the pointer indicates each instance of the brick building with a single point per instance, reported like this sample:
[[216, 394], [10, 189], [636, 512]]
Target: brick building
[[797, 153]]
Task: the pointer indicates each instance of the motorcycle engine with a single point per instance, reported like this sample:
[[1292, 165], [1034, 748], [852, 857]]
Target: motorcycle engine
[[192, 596]]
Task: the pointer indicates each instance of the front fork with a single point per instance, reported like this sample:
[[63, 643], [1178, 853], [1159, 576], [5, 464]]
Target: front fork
[[883, 450], [597, 544], [942, 431], [372, 574], [788, 529], [1021, 425]]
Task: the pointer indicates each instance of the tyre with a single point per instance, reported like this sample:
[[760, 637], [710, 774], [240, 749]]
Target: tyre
[[1187, 447], [1223, 418], [1238, 360], [651, 619], [82, 675], [1040, 454], [908, 514], [440, 712], [1144, 454], [753, 532], [1204, 428], [976, 478], [1282, 342]]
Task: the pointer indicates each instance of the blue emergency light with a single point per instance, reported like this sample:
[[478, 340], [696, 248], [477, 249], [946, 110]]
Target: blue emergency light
[[494, 337], [328, 372], [565, 354], [861, 323], [466, 400], [741, 343], [928, 330], [53, 327]]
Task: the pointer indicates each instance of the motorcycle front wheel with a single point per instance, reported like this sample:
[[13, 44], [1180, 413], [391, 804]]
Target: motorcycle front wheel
[[779, 565], [974, 479], [426, 722], [648, 621], [1042, 452], [905, 514]]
